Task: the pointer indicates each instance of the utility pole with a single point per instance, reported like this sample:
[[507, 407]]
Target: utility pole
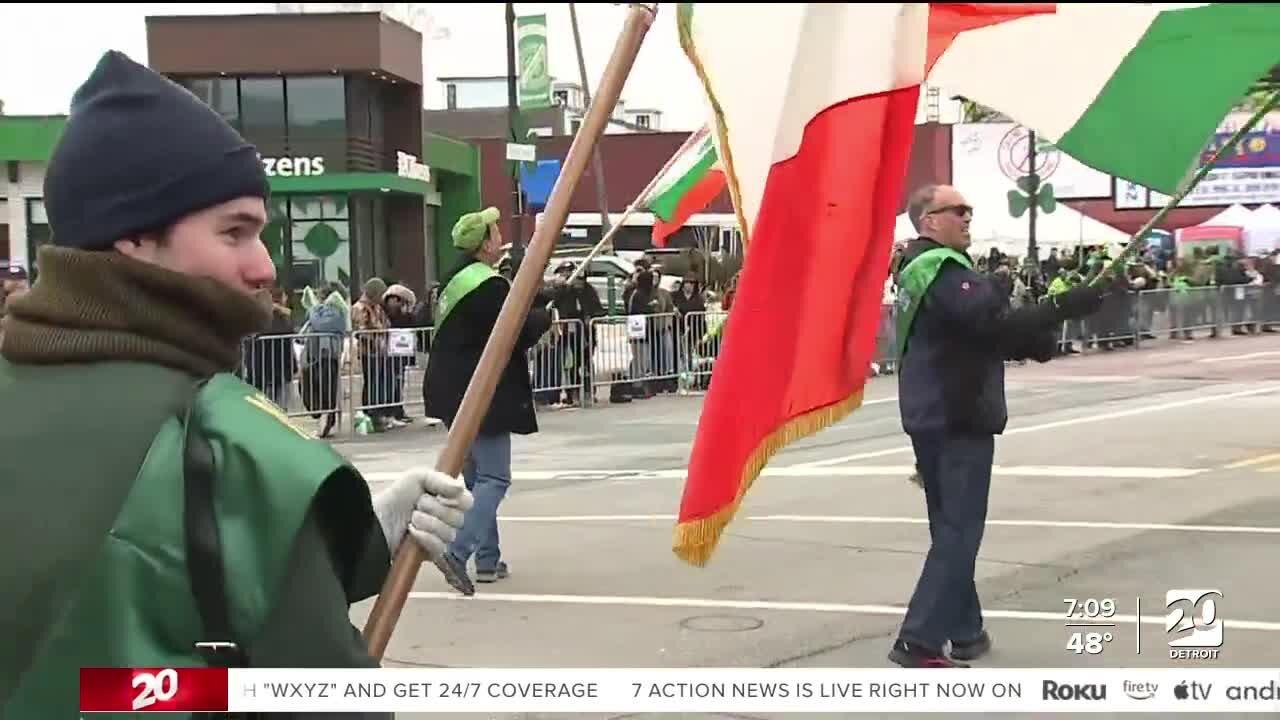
[[513, 116], [597, 163], [1034, 196]]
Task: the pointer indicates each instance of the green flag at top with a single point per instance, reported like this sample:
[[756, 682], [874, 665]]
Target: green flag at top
[[1136, 90], [534, 70]]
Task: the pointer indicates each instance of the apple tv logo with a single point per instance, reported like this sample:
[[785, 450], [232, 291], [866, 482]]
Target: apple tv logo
[[1192, 691]]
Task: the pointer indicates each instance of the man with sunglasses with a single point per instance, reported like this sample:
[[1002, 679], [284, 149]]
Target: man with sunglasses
[[955, 330]]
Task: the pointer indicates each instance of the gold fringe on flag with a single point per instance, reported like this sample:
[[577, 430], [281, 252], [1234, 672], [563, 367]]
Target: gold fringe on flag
[[684, 23], [696, 540]]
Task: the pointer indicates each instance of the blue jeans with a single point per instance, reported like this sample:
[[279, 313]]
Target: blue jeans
[[487, 475], [956, 470]]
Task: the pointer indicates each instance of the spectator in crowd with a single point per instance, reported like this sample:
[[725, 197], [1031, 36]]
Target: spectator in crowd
[[643, 301], [691, 322], [370, 321], [576, 301], [399, 302], [323, 338], [270, 364]]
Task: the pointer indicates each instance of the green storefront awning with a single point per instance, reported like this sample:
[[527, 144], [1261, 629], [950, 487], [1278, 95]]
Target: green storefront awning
[[29, 138], [350, 183]]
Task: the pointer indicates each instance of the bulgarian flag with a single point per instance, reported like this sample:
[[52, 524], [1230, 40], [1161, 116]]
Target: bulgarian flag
[[813, 110], [692, 178]]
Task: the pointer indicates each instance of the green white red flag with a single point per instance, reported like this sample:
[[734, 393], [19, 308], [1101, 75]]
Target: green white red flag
[[691, 180], [813, 117], [814, 111]]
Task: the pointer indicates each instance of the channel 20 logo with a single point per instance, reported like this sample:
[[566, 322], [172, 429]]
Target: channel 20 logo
[[154, 687], [1193, 624], [153, 690]]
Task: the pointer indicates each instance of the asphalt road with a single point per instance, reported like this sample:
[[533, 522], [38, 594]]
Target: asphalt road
[[1123, 476]]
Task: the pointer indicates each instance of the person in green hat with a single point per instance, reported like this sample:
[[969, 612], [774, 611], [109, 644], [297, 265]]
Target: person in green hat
[[465, 314]]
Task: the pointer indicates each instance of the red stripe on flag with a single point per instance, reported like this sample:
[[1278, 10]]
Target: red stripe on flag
[[698, 197], [803, 328], [153, 690], [947, 20]]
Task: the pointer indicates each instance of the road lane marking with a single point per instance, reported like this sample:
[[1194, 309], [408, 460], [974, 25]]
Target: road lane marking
[[887, 520], [1232, 358], [822, 607], [1252, 461], [1128, 412], [794, 471]]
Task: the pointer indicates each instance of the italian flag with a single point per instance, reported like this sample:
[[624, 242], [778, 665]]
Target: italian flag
[[813, 112], [692, 178], [1134, 90]]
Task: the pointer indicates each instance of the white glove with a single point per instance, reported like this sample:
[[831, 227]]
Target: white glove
[[429, 505]]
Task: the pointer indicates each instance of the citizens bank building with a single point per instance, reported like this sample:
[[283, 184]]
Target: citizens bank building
[[334, 104]]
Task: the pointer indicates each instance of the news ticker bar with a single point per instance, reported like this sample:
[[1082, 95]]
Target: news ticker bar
[[493, 690]]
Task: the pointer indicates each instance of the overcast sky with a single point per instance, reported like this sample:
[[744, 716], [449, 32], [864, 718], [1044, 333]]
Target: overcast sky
[[47, 51]]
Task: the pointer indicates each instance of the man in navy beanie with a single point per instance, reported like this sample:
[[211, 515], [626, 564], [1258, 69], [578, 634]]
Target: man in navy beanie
[[196, 526]]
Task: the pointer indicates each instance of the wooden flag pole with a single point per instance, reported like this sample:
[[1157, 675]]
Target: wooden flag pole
[[497, 352]]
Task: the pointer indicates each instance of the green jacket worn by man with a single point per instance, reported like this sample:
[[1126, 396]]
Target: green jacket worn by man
[[156, 511]]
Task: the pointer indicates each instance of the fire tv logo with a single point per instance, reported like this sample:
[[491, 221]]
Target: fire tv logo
[[157, 687]]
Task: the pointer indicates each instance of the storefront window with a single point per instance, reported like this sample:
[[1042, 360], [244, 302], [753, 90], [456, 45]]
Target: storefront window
[[317, 106], [273, 236], [262, 107], [219, 94], [320, 229]]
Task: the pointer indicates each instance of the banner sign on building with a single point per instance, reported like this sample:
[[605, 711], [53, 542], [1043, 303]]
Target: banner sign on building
[[1131, 195], [997, 154], [534, 71], [1248, 174]]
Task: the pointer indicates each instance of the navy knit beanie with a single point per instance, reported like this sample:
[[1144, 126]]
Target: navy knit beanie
[[138, 153]]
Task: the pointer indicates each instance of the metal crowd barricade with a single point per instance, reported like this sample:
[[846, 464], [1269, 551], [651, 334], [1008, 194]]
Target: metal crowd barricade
[[386, 372], [556, 364], [885, 358], [1180, 313], [303, 373], [632, 349], [699, 337]]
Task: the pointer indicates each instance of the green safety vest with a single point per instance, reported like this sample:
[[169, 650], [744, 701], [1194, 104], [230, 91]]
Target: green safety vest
[[1059, 286], [913, 285], [459, 286], [135, 608]]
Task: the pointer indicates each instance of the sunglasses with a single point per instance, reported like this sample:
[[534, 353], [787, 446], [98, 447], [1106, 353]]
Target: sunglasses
[[957, 210]]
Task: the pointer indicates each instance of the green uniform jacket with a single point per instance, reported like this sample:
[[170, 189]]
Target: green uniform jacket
[[92, 537]]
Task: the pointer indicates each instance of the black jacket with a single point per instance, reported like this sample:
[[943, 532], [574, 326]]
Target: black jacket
[[455, 353], [952, 374]]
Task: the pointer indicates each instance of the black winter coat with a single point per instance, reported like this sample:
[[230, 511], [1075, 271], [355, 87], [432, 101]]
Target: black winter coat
[[455, 353], [952, 374]]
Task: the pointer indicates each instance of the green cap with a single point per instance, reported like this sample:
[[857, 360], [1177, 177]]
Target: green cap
[[470, 230]]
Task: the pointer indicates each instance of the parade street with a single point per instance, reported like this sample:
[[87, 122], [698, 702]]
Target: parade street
[[1122, 476]]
